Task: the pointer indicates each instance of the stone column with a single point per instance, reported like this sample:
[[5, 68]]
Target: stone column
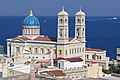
[[15, 51], [38, 50], [44, 50], [32, 49], [8, 50]]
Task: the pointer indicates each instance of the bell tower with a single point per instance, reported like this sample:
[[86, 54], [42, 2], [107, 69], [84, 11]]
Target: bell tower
[[62, 33], [80, 26]]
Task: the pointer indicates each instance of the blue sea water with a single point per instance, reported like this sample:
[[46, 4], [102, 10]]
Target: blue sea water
[[101, 32]]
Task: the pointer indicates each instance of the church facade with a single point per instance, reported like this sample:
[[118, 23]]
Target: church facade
[[31, 44]]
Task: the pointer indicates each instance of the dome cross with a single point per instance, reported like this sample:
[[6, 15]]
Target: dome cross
[[31, 13]]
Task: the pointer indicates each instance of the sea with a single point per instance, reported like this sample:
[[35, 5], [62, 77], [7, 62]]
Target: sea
[[101, 32]]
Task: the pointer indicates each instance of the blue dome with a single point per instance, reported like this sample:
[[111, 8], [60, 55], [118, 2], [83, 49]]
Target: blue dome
[[31, 21]]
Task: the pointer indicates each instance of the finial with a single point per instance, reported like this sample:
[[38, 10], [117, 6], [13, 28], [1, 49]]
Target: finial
[[63, 8], [80, 9], [31, 14]]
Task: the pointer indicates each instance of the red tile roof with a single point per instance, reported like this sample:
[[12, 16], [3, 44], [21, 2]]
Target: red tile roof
[[93, 62], [56, 73], [92, 49], [45, 38], [24, 38], [74, 59], [60, 58], [39, 38], [21, 38]]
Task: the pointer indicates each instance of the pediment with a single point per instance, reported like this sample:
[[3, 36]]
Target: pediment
[[75, 40]]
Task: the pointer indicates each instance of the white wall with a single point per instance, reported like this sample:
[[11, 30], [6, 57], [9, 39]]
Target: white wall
[[67, 64]]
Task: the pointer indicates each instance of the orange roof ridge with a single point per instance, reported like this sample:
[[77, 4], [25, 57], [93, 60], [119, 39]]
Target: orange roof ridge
[[56, 72], [93, 49]]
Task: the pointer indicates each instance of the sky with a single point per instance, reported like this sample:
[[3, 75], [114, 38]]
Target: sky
[[52, 7]]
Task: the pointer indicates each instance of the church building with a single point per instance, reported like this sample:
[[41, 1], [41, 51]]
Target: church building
[[31, 44]]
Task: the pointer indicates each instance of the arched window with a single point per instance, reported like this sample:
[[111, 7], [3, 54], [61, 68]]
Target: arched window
[[66, 33], [70, 51], [87, 56], [61, 21], [83, 32], [78, 34], [77, 29], [29, 31], [35, 50], [65, 20], [66, 52], [78, 20], [60, 52], [17, 49], [82, 20], [60, 34]]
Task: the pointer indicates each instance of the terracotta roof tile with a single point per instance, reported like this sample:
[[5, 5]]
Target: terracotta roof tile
[[56, 73], [21, 38], [45, 38], [39, 38], [24, 38], [92, 49], [74, 59], [60, 58]]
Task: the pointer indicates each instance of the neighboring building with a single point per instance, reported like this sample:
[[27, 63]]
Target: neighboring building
[[4, 63], [97, 56], [94, 70], [113, 63], [74, 68], [39, 45], [52, 74], [23, 68], [118, 56]]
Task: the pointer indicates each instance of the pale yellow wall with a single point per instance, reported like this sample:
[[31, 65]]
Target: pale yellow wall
[[103, 61], [74, 44], [63, 49], [3, 68], [94, 70]]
